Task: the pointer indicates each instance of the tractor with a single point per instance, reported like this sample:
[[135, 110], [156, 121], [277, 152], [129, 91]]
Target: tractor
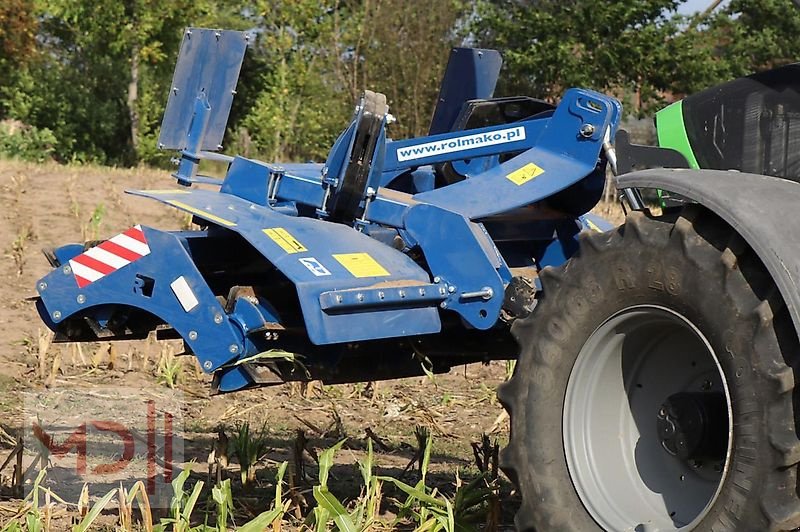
[[656, 361]]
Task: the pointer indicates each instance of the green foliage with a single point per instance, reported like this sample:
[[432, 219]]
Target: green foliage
[[29, 143], [90, 79]]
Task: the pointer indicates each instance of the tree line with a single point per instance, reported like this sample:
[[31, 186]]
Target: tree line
[[88, 81]]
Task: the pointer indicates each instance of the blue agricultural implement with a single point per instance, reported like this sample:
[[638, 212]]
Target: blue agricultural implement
[[655, 384]]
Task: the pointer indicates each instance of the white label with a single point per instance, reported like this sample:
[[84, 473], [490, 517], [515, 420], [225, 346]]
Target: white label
[[184, 293], [467, 142], [314, 266]]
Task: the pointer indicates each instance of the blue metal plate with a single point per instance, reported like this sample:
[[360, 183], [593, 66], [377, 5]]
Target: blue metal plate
[[318, 257], [209, 62]]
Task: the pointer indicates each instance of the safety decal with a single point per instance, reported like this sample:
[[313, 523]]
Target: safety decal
[[591, 225], [201, 213], [285, 240], [108, 257], [314, 266], [361, 265], [526, 173], [167, 191]]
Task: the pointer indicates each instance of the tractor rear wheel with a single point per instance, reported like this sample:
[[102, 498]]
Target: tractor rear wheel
[[654, 388]]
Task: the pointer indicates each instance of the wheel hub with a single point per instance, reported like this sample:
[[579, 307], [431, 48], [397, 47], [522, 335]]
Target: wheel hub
[[694, 426], [631, 473]]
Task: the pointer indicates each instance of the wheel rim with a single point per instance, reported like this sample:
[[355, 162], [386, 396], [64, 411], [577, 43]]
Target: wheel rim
[[646, 422]]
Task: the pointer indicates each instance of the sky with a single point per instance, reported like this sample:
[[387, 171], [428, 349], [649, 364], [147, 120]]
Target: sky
[[691, 6]]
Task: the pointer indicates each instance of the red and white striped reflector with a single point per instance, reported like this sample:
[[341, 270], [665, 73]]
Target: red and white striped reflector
[[108, 257]]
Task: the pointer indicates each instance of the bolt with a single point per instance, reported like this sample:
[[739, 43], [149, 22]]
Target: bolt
[[437, 279], [401, 293], [192, 335], [338, 299], [217, 35], [81, 299], [370, 192], [451, 289], [57, 315], [360, 296], [662, 412], [207, 364], [422, 291], [219, 146], [442, 291], [175, 90], [233, 92], [188, 33], [67, 270], [381, 295], [390, 119], [268, 335], [587, 130], [217, 318], [233, 348], [443, 304], [42, 287], [160, 145]]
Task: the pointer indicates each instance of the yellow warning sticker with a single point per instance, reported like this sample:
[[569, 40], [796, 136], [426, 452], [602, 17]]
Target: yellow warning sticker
[[285, 240], [361, 265], [527, 173], [167, 191], [201, 213]]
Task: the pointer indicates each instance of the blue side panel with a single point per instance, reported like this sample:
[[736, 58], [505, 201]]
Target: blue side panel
[[209, 63], [318, 256], [471, 74], [562, 157], [205, 327], [464, 257]]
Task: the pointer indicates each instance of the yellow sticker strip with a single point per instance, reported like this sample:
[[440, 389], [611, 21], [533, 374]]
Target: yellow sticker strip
[[201, 213], [361, 265], [285, 240], [592, 225], [527, 173], [167, 191]]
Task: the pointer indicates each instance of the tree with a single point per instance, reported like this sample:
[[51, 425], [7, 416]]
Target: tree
[[637, 50]]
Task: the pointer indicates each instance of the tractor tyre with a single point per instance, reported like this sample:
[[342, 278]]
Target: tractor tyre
[[655, 387]]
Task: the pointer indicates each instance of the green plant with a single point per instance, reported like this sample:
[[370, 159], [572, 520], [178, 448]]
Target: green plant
[[91, 230], [510, 366], [431, 511], [363, 515], [170, 368], [249, 447], [20, 245]]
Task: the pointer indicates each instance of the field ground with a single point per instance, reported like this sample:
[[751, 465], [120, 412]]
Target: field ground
[[45, 205]]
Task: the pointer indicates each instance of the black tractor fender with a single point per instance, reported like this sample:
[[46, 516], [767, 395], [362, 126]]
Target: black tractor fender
[[759, 208]]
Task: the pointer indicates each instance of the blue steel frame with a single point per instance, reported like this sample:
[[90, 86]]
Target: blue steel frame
[[356, 282]]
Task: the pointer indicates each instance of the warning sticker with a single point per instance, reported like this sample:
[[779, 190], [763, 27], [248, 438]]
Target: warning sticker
[[361, 265], [526, 173], [285, 240], [314, 266]]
